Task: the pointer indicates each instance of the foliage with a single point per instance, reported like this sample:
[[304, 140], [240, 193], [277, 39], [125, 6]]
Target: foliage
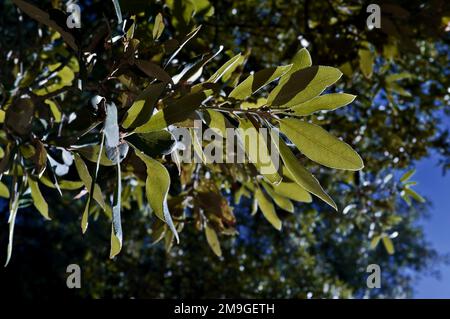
[[89, 141]]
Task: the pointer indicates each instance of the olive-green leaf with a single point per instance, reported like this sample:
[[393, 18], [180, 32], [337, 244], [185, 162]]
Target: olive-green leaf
[[414, 195], [157, 188], [258, 80], [83, 172], [255, 146], [407, 175], [213, 240], [303, 85], [280, 200], [302, 176], [327, 102], [158, 28], [374, 242], [366, 62], [320, 146], [267, 209], [141, 109], [175, 112], [301, 60], [116, 227], [387, 242], [293, 191], [216, 120], [226, 69], [38, 200], [91, 154], [4, 191]]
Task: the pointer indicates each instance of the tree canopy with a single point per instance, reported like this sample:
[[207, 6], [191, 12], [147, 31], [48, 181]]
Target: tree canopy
[[89, 121]]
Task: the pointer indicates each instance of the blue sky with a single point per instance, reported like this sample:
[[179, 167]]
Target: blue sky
[[436, 188]]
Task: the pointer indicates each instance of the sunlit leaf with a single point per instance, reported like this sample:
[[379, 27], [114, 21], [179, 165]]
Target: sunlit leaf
[[366, 62], [157, 188], [301, 176], [267, 209], [303, 85], [320, 146], [256, 81], [387, 242], [213, 240], [38, 200], [4, 191], [158, 27], [327, 102]]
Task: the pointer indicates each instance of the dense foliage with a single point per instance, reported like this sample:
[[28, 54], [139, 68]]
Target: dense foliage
[[71, 95]]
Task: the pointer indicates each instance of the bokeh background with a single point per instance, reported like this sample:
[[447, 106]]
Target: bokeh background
[[399, 122]]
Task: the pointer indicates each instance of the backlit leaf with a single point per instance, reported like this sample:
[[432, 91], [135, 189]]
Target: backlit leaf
[[320, 146], [256, 81], [158, 28], [387, 242], [302, 176], [327, 102], [213, 240], [267, 209], [303, 85], [157, 188], [38, 200]]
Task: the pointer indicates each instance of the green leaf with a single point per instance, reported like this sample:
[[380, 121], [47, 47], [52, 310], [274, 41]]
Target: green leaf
[[301, 176], [56, 112], [141, 110], [43, 17], [91, 154], [293, 191], [255, 147], [301, 60], [157, 188], [225, 70], [267, 209], [303, 85], [256, 81], [387, 242], [4, 191], [216, 120], [366, 62], [281, 201], [213, 240], [158, 28], [116, 227], [407, 175], [327, 102], [374, 242], [153, 144], [320, 146], [83, 172], [414, 195], [175, 112], [38, 200]]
